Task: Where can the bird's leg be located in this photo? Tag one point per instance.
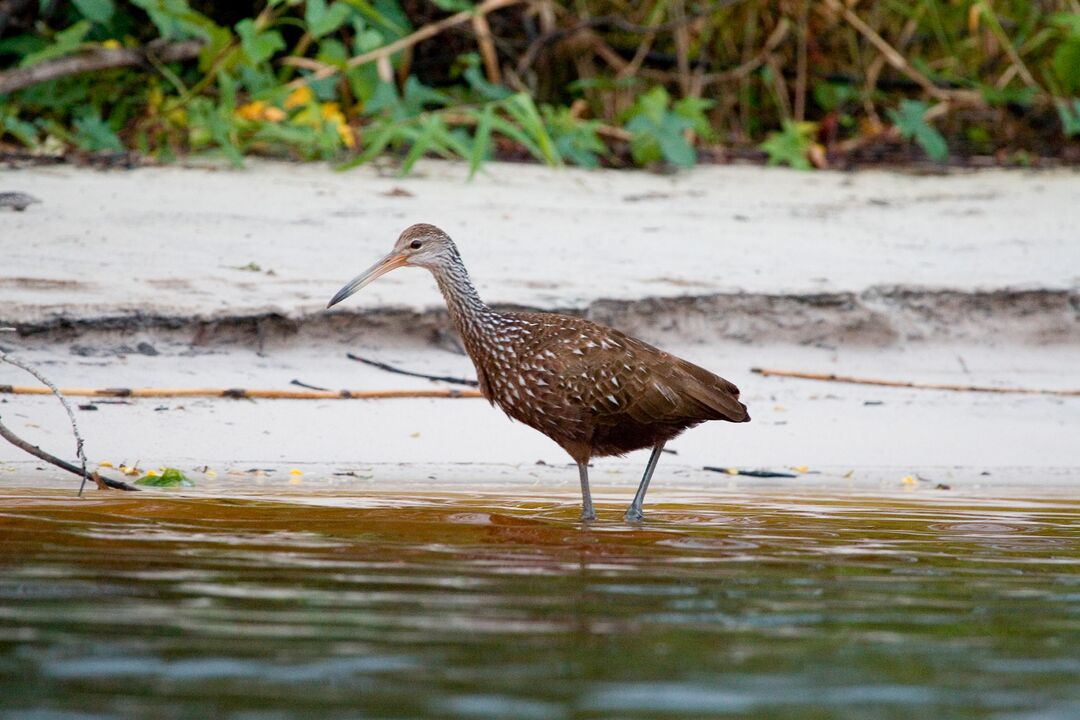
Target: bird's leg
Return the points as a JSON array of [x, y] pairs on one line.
[[587, 512], [633, 513]]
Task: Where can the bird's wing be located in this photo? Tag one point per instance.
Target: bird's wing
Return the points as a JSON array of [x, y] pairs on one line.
[[620, 377]]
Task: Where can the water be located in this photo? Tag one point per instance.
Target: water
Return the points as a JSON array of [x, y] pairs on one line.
[[400, 606]]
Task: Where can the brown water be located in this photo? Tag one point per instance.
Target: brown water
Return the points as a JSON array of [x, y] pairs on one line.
[[409, 606]]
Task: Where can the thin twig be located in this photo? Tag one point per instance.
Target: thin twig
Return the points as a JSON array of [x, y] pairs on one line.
[[410, 373], [97, 59], [892, 56], [322, 70], [79, 453], [801, 61], [242, 393], [777, 36], [306, 386], [487, 48], [749, 473], [832, 377]]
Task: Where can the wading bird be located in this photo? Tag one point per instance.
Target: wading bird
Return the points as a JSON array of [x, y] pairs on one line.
[[592, 389]]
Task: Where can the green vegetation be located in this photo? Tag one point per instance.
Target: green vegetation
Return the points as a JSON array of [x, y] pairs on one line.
[[169, 477], [595, 82]]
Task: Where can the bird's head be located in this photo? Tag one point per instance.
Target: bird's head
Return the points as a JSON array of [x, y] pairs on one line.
[[420, 245]]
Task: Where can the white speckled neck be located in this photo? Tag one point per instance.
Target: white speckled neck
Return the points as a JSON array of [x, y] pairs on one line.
[[478, 324]]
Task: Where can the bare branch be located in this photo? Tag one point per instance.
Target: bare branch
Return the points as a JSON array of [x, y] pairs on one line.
[[832, 377], [102, 482], [98, 59], [4, 357], [322, 70], [242, 393]]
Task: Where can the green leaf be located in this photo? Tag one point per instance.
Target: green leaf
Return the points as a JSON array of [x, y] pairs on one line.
[[831, 96], [522, 108], [910, 122], [258, 45], [64, 43], [1070, 22], [420, 145], [692, 110], [674, 146], [94, 134], [658, 133], [481, 147], [376, 142], [21, 130], [1070, 117], [387, 14], [100, 11], [322, 20], [791, 145], [175, 19], [1001, 97], [453, 6], [218, 39], [211, 124], [508, 129], [576, 140], [170, 477], [479, 83], [1066, 64], [419, 97], [22, 45]]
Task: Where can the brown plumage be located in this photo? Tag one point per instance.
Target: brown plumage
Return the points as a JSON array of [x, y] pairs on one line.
[[592, 389]]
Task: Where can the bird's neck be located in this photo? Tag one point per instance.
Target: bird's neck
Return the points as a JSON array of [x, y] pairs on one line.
[[475, 322]]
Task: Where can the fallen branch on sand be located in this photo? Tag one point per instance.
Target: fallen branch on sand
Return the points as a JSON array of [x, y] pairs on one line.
[[410, 373], [37, 452], [750, 473], [243, 393], [102, 482], [832, 377]]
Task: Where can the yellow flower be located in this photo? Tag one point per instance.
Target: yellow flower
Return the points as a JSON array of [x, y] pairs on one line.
[[909, 480], [298, 97], [251, 111], [105, 463], [347, 135], [332, 111], [111, 44], [259, 110], [296, 471]]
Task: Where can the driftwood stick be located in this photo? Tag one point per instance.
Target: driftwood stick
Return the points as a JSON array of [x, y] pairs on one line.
[[322, 70], [410, 373], [101, 482], [241, 393], [832, 377], [97, 59]]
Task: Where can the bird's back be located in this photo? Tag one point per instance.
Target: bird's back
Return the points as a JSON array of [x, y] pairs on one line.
[[587, 385]]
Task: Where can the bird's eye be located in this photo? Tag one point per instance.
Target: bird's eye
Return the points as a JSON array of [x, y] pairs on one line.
[[415, 244]]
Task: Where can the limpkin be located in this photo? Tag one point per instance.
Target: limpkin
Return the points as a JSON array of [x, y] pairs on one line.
[[592, 389]]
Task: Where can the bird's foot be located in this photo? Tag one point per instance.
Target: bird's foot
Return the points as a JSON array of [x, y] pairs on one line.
[[588, 514], [633, 515]]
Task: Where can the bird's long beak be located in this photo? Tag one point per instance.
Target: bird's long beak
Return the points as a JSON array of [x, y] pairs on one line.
[[388, 263]]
